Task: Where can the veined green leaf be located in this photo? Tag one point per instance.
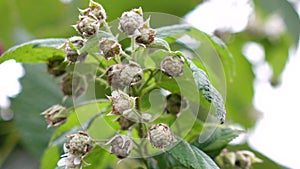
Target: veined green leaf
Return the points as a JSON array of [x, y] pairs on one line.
[[209, 91], [190, 156], [36, 51], [215, 138]]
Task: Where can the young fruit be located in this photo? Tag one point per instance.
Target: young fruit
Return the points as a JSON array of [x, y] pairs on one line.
[[161, 136]]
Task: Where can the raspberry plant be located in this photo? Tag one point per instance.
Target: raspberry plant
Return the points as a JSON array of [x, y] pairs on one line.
[[138, 99]]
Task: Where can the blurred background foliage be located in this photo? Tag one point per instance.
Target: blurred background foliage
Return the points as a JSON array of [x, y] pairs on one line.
[[26, 136]]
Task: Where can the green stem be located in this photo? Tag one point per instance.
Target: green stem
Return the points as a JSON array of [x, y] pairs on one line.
[[132, 44], [96, 58], [128, 57], [101, 81], [107, 27], [152, 74], [148, 89]]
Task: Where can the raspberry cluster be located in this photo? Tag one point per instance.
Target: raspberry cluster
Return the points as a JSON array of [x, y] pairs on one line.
[[121, 71]]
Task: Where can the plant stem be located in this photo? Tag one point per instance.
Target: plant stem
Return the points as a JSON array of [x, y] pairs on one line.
[[128, 57], [102, 81], [132, 44], [107, 27]]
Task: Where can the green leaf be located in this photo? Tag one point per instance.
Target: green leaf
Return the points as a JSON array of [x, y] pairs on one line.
[[81, 117], [99, 158], [210, 50], [210, 92], [160, 43], [286, 10], [215, 137], [50, 158], [91, 46], [39, 92], [166, 31], [240, 92], [190, 156], [36, 51], [277, 54]]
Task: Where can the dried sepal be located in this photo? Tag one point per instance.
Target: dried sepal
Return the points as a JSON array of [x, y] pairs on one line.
[[56, 115]]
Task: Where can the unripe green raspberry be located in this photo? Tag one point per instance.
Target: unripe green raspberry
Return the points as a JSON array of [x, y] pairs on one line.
[[72, 45], [55, 115], [95, 11], [109, 48], [175, 103], [73, 85], [121, 146], [56, 65], [172, 66], [87, 26], [121, 102], [131, 74], [131, 21], [124, 123], [79, 145], [161, 136], [113, 76]]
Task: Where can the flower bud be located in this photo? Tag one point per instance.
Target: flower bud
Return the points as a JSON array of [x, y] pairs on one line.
[[172, 66], [79, 145], [161, 136], [71, 48], [131, 21], [175, 103], [56, 65], [131, 74], [95, 11], [121, 102], [73, 85], [113, 76], [55, 115], [87, 26], [121, 146], [109, 48]]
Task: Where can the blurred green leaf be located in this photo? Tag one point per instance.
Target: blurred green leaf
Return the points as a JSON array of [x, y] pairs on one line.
[[286, 10], [36, 51], [39, 92], [190, 156], [215, 137], [277, 54], [240, 91]]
